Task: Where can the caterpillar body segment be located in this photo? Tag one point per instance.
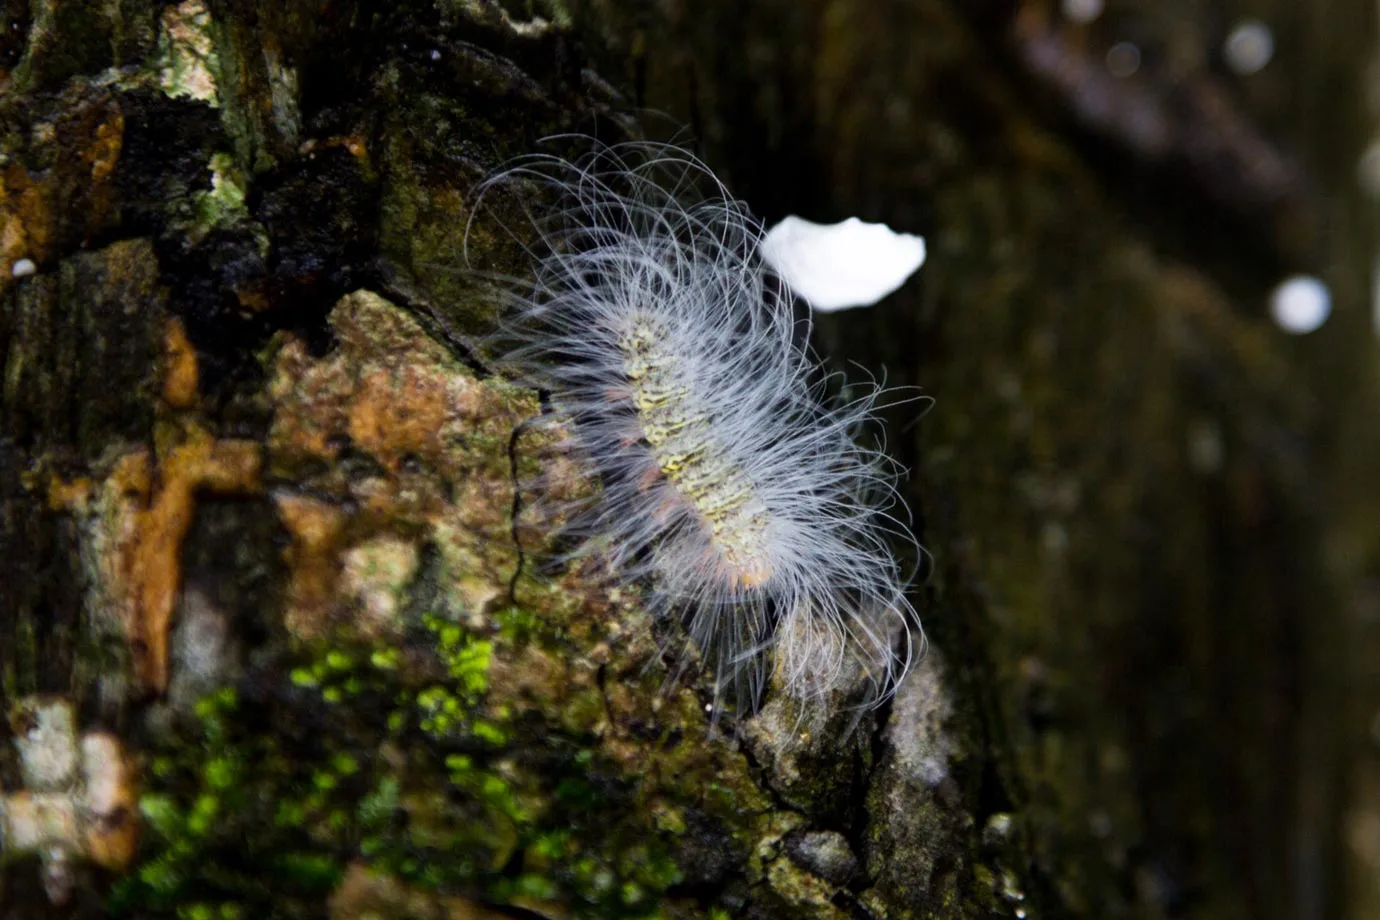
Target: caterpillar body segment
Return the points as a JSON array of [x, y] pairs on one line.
[[732, 487]]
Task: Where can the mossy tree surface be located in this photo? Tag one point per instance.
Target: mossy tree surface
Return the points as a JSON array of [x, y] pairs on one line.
[[259, 496]]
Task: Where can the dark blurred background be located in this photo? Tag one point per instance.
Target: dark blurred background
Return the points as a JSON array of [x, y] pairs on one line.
[[1149, 480], [1149, 323]]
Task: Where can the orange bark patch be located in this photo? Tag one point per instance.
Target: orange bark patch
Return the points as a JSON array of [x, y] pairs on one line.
[[71, 199], [111, 833], [397, 443], [69, 496], [150, 548], [26, 218], [180, 370], [317, 530], [397, 412], [101, 158]]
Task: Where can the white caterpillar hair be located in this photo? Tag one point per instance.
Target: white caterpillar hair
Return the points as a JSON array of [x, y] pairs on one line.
[[732, 487]]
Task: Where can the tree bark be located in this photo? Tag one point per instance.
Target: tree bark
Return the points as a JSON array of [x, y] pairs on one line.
[[275, 638]]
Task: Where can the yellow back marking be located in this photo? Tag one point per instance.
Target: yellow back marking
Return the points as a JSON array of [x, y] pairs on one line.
[[692, 459]]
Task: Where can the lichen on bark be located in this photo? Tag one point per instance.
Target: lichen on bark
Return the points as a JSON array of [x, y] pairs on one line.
[[258, 491]]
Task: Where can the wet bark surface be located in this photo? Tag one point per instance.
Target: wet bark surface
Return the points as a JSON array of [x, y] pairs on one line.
[[275, 633]]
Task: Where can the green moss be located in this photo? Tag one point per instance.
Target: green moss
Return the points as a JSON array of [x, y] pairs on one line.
[[209, 802], [204, 911], [515, 624], [309, 793], [490, 733], [223, 205], [339, 661], [379, 805], [385, 659]]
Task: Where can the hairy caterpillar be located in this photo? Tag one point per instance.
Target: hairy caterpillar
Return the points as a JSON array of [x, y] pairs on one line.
[[731, 486]]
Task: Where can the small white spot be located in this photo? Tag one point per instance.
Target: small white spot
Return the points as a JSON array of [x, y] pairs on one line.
[[1000, 824], [1123, 59], [1081, 11], [1249, 47], [48, 745], [837, 266], [1368, 170], [435, 55], [1301, 304], [22, 268]]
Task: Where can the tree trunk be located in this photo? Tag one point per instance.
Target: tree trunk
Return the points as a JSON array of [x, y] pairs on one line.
[[275, 636]]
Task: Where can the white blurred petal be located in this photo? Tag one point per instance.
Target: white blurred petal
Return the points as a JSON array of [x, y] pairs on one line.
[[837, 266], [1301, 304]]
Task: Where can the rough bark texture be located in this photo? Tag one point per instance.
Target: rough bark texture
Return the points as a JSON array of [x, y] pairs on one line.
[[272, 642]]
